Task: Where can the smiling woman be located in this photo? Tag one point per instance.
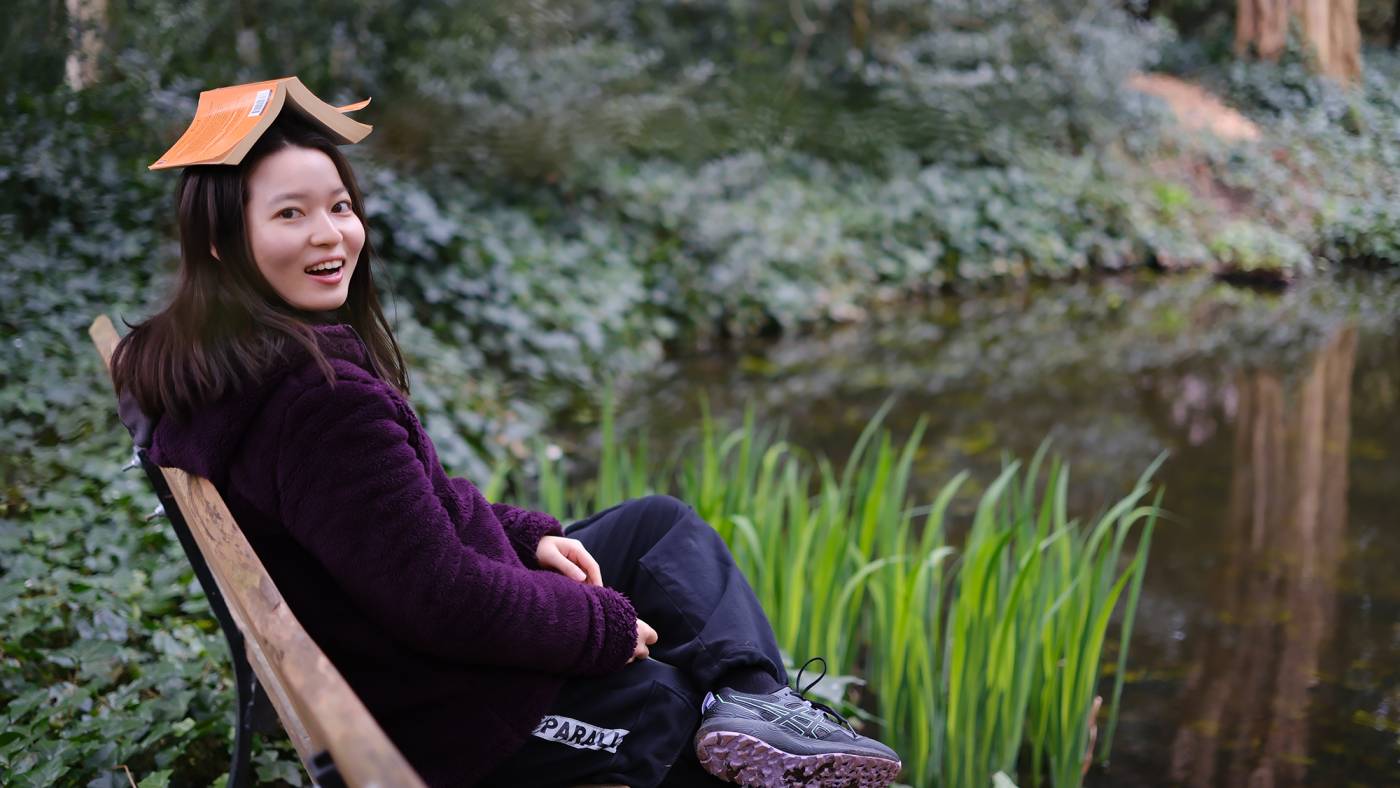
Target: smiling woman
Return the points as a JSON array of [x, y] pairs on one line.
[[304, 232], [269, 247], [487, 644]]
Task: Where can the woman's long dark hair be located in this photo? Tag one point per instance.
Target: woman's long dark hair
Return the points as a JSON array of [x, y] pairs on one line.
[[225, 326]]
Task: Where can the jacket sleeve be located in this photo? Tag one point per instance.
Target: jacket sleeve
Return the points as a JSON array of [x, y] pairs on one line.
[[354, 492], [524, 528]]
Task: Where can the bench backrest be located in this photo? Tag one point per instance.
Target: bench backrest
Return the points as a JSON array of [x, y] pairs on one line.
[[318, 709]]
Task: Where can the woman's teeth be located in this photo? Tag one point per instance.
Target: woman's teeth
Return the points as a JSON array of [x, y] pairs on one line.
[[325, 268]]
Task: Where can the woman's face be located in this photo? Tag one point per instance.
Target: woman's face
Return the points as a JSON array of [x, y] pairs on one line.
[[304, 235]]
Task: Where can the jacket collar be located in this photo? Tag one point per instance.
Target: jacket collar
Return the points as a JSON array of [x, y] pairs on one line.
[[338, 340], [205, 442]]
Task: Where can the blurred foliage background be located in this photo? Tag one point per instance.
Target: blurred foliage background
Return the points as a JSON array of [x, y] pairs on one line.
[[563, 190]]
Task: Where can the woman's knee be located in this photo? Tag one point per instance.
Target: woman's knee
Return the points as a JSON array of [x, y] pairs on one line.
[[665, 513], [667, 504]]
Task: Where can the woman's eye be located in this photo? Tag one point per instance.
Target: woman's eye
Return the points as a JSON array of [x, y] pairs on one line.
[[285, 213], [346, 203]]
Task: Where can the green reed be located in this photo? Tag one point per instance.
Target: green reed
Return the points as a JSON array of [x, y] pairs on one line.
[[983, 654]]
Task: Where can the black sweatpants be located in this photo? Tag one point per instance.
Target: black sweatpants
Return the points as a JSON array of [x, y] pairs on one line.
[[636, 726]]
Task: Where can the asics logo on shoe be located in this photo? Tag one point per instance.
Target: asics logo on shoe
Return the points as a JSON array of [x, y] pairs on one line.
[[800, 720]]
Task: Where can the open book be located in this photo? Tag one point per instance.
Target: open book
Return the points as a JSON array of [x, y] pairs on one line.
[[229, 120]]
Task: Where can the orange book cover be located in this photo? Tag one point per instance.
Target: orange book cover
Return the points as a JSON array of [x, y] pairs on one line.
[[229, 120]]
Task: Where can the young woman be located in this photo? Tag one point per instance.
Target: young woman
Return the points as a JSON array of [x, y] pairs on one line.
[[491, 647]]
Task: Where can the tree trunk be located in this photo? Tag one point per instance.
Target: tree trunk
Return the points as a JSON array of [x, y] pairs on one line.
[[860, 24], [1275, 590], [87, 24], [1395, 26], [1330, 28]]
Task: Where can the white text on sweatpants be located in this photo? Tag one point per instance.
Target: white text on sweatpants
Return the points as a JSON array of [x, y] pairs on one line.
[[579, 735]]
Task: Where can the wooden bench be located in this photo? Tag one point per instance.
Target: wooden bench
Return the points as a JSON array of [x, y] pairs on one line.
[[275, 662]]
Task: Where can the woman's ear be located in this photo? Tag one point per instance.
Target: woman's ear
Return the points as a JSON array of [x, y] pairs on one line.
[[214, 252]]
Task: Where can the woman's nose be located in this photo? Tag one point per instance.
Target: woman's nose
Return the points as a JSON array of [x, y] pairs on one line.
[[325, 232]]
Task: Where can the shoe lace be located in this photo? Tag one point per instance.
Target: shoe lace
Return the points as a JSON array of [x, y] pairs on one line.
[[802, 693]]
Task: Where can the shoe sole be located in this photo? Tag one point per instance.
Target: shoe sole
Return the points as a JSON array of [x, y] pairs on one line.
[[743, 759]]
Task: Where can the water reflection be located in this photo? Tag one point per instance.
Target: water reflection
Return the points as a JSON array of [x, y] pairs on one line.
[[1244, 703], [1250, 664]]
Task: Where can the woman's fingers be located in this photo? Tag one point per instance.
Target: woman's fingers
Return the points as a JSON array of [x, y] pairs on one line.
[[559, 554], [593, 575], [551, 554], [589, 572], [570, 558], [645, 637]]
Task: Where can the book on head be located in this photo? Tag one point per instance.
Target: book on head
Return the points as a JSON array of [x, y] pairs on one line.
[[229, 120]]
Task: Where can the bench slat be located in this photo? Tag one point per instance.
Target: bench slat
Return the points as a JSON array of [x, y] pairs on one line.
[[316, 706]]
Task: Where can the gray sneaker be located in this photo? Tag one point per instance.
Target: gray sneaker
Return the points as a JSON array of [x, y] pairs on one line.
[[781, 738]]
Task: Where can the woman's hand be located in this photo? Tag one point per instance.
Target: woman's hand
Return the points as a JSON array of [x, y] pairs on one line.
[[569, 558], [645, 637]]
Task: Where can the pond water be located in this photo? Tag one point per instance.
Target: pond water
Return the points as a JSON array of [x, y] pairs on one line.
[[1268, 645]]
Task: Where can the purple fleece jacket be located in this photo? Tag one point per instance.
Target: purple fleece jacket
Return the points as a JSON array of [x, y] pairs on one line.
[[427, 598]]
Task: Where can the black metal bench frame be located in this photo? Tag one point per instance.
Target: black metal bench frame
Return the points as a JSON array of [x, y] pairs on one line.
[[255, 711]]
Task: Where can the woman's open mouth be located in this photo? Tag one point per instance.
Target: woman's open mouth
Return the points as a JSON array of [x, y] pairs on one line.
[[327, 272]]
